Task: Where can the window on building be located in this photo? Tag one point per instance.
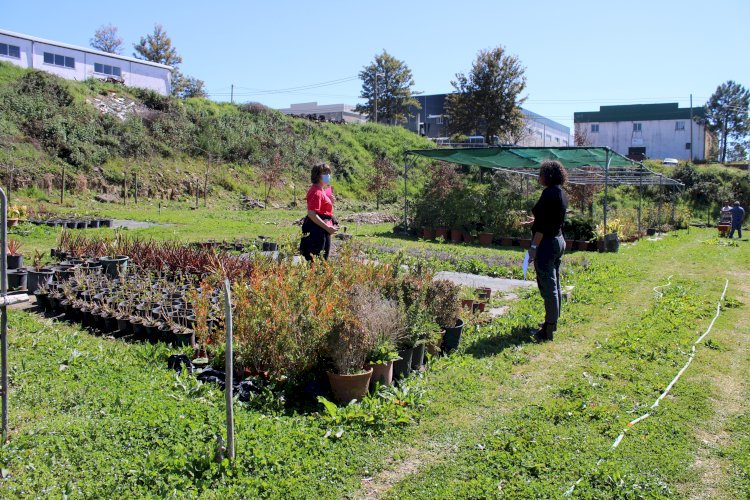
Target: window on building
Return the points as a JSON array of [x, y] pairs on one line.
[[8, 50], [637, 127], [539, 134], [106, 69], [679, 125], [687, 145], [549, 138], [557, 140], [439, 120], [594, 128], [59, 60]]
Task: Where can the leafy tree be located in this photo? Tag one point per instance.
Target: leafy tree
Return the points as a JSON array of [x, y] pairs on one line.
[[184, 86], [106, 39], [381, 179], [271, 174], [727, 114], [392, 92], [157, 48], [488, 98]]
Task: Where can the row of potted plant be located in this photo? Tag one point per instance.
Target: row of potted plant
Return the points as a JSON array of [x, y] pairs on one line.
[[138, 305], [288, 319]]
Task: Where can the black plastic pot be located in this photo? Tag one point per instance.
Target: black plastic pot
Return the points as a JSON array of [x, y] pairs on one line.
[[105, 222], [269, 246], [93, 224], [452, 337], [81, 224], [14, 261], [115, 266], [17, 279], [42, 301], [109, 324], [152, 333], [38, 278], [183, 338], [139, 331], [124, 326], [63, 273], [417, 357], [402, 367]]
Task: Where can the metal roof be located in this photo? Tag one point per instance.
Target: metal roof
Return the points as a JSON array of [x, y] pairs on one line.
[[638, 112]]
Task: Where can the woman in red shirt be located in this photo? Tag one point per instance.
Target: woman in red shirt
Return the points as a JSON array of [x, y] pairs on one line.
[[318, 225]]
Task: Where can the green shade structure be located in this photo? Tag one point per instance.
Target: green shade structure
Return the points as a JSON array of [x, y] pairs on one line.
[[586, 165]]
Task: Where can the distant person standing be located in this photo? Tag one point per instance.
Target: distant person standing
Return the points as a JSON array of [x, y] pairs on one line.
[[548, 244], [738, 217], [318, 226]]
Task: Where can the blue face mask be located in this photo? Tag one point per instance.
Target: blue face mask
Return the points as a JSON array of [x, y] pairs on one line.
[[326, 178]]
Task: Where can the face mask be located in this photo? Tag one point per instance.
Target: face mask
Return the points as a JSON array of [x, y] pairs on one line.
[[326, 178]]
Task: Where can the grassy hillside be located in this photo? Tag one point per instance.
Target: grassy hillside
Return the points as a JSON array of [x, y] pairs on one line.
[[48, 122]]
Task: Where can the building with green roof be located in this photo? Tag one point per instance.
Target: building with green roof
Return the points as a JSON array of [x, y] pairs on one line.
[[642, 131]]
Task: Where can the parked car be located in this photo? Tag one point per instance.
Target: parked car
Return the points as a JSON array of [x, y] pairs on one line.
[[669, 161]]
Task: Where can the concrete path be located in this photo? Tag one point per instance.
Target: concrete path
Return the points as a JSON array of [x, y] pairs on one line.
[[473, 280]]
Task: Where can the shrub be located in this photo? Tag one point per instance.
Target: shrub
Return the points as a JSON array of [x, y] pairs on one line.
[[442, 300]]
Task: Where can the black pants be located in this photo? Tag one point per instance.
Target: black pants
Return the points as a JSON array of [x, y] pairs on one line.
[[547, 265], [315, 240]]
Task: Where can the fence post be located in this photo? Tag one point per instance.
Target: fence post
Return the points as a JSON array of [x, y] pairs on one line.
[[4, 308], [229, 369]]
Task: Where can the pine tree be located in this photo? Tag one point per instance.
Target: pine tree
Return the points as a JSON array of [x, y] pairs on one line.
[[727, 114], [387, 82], [157, 48]]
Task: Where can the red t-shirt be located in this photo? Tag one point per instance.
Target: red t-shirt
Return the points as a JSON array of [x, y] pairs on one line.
[[318, 200]]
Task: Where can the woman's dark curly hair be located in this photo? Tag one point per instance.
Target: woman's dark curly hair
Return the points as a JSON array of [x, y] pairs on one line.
[[317, 172], [553, 173]]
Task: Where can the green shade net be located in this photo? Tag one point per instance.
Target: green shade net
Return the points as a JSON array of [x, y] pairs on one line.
[[585, 165], [521, 157]]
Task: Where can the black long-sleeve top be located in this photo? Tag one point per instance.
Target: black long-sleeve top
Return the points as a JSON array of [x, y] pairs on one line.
[[549, 212]]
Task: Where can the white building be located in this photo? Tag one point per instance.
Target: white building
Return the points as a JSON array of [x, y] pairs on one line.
[[543, 132], [642, 131], [80, 63], [331, 112]]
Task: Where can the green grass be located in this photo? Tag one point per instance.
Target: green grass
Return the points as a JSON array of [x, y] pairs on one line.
[[93, 417]]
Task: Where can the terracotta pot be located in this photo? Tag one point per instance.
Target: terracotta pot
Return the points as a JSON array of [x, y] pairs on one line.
[[525, 242], [348, 387], [484, 293], [599, 245], [457, 235], [568, 244], [506, 242], [467, 237], [582, 245], [12, 222], [441, 232], [381, 373], [479, 307], [485, 239], [467, 303], [428, 234]]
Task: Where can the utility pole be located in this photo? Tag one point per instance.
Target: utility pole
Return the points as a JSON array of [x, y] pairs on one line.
[[691, 128], [135, 187], [231, 95]]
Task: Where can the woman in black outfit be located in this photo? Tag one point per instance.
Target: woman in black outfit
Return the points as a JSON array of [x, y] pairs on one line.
[[548, 244]]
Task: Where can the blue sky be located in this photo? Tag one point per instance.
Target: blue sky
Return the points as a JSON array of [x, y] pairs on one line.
[[578, 54]]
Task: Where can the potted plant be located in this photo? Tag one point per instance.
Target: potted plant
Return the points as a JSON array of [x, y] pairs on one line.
[[380, 361], [384, 319], [14, 258], [467, 296], [348, 346], [442, 301], [425, 331], [37, 274]]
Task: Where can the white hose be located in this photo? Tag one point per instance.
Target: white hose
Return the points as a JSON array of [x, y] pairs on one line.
[[671, 384], [656, 288]]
